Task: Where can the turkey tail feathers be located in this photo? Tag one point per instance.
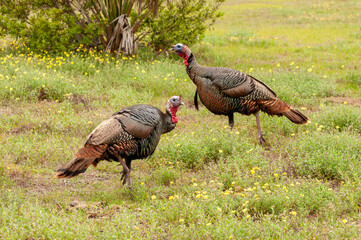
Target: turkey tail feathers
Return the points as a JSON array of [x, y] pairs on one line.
[[81, 161], [196, 100], [295, 116], [74, 167], [281, 108]]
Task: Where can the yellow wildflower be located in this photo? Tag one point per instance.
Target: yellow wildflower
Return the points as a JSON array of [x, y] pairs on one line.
[[294, 213]]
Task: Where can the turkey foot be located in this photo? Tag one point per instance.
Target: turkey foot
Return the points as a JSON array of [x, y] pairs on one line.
[[125, 174], [126, 177], [261, 139], [230, 123], [126, 171], [260, 135]]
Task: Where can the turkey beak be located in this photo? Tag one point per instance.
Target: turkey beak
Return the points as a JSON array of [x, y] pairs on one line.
[[180, 100], [172, 48]]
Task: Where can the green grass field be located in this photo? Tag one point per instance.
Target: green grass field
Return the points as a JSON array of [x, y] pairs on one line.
[[202, 182]]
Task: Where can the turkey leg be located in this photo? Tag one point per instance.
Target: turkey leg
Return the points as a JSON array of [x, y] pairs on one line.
[[126, 170], [261, 139], [230, 121], [124, 174]]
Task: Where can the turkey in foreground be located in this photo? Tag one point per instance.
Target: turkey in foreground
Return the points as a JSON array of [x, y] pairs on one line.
[[225, 91], [131, 133]]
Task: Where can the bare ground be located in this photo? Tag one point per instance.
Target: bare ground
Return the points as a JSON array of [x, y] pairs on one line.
[[345, 100]]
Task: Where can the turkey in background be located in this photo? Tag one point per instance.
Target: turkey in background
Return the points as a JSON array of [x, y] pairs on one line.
[[225, 91], [131, 133]]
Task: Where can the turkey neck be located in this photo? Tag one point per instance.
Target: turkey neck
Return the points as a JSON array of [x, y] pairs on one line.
[[170, 118], [192, 67], [209, 95]]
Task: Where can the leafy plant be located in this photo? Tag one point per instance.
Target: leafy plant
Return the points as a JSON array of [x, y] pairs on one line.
[[113, 25], [180, 21], [50, 25]]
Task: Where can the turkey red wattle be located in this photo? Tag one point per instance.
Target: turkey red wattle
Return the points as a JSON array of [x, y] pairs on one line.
[[173, 112], [184, 56]]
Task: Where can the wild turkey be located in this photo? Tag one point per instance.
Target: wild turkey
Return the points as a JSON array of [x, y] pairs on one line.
[[131, 133], [225, 91]]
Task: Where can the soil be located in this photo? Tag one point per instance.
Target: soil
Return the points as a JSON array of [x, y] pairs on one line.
[[342, 100]]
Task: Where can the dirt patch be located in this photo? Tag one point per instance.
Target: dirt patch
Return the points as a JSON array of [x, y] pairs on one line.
[[78, 205], [290, 170], [356, 223], [95, 210], [33, 185], [8, 110], [44, 183], [42, 95], [344, 100], [312, 215], [288, 166], [20, 178], [270, 155], [76, 99], [334, 184], [42, 127], [21, 129], [190, 104]]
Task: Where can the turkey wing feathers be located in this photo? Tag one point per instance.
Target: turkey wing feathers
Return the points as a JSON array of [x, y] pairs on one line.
[[105, 132], [231, 82], [241, 90], [136, 128], [264, 88], [133, 122], [235, 84]]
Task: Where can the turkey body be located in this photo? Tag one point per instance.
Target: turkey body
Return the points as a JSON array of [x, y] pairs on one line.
[[131, 133], [224, 91], [218, 102]]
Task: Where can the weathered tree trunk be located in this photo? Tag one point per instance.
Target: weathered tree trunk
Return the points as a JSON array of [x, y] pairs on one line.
[[122, 38]]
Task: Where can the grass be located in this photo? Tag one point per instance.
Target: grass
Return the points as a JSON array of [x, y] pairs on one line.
[[202, 181]]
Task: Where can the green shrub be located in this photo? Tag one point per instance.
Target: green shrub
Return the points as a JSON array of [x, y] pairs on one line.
[[193, 152], [181, 21], [46, 25], [326, 156], [353, 78], [164, 176], [341, 118]]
